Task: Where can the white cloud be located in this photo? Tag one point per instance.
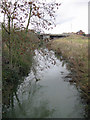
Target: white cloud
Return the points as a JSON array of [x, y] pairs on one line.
[[72, 16]]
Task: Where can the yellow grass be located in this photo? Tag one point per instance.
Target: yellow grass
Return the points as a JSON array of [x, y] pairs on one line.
[[74, 49]]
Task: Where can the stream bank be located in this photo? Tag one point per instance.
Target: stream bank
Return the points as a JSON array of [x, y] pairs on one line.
[[74, 50], [22, 50], [45, 93]]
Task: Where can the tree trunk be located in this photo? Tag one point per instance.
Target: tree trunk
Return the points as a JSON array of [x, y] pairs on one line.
[[10, 52], [29, 18], [12, 23], [4, 19]]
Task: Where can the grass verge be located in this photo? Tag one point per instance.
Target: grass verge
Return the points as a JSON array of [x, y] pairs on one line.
[[74, 49]]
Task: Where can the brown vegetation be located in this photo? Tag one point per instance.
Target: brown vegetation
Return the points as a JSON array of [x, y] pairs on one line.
[[74, 49]]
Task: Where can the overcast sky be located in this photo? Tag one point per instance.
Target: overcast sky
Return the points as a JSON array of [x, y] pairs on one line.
[[72, 16]]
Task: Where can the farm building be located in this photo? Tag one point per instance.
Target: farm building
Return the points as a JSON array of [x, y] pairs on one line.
[[80, 32]]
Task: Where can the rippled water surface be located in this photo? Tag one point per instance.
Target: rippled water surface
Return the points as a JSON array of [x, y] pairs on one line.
[[45, 93]]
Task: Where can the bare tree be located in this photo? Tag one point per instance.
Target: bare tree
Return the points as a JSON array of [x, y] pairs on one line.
[[9, 10], [40, 14]]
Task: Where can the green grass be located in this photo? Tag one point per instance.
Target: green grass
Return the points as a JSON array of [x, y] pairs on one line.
[[75, 50]]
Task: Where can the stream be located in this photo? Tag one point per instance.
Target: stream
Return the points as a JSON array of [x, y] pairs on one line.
[[46, 92]]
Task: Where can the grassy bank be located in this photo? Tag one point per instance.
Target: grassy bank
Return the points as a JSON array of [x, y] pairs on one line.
[[74, 49], [22, 50]]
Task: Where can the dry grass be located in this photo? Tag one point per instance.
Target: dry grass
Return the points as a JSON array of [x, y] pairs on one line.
[[74, 49]]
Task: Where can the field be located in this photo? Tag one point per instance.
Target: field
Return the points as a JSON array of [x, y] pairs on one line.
[[74, 49]]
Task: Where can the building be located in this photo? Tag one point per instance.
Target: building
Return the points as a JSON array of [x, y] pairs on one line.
[[80, 32]]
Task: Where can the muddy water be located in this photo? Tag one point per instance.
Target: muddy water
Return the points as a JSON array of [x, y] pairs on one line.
[[45, 92]]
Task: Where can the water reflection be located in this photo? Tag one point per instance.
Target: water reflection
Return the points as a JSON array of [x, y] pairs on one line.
[[44, 93]]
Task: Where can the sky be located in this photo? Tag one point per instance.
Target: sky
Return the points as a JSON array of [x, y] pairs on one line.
[[72, 16]]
